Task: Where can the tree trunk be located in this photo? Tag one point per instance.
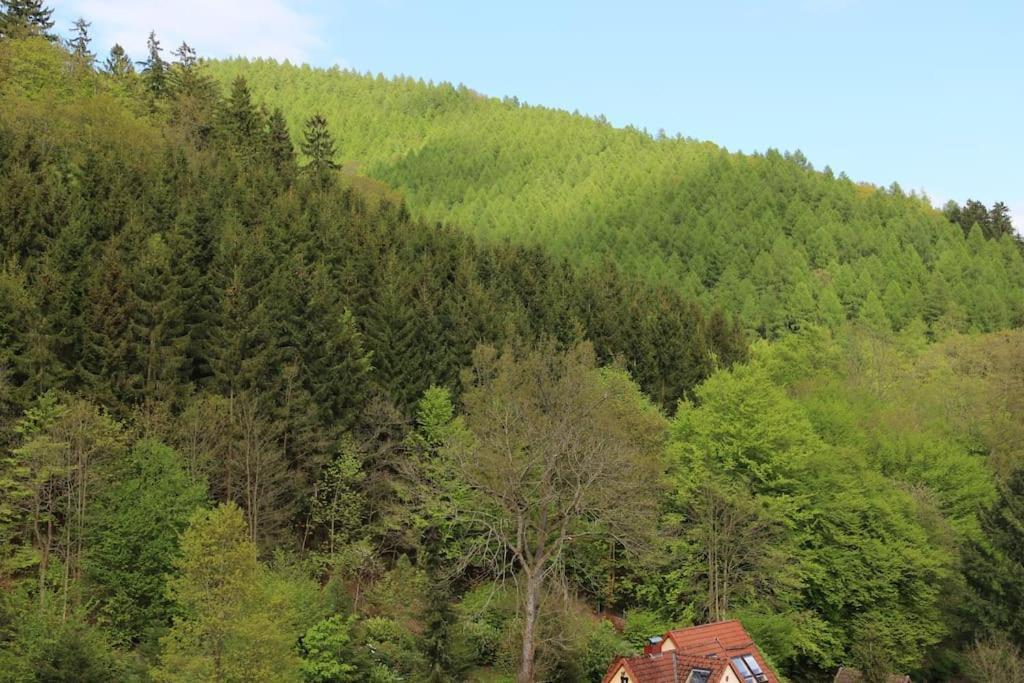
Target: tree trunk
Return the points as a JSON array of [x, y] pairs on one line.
[[526, 661]]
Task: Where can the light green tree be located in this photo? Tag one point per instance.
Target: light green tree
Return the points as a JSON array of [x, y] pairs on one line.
[[233, 624]]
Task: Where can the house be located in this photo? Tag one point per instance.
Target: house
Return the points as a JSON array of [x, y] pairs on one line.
[[722, 652], [848, 675]]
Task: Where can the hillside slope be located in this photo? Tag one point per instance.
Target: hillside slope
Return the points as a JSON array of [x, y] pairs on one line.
[[247, 371], [765, 236]]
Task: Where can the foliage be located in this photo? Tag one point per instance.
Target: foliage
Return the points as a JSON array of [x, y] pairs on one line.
[[995, 660], [994, 563], [234, 623], [329, 654], [47, 646], [766, 236], [169, 274], [133, 540], [552, 435]]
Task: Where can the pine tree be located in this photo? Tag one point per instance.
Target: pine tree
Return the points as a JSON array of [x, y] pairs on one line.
[[241, 120], [339, 367], [282, 152], [79, 43], [183, 71], [186, 57], [318, 145], [994, 564], [118, 64], [873, 315], [999, 220], [154, 69], [974, 213], [106, 365], [443, 665], [159, 338], [19, 18]]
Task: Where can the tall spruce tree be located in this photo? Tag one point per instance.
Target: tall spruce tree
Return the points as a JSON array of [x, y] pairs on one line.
[[282, 152], [999, 220], [21, 18], [183, 70], [442, 662], [80, 40], [994, 564], [154, 69], [318, 145], [118, 63], [242, 122]]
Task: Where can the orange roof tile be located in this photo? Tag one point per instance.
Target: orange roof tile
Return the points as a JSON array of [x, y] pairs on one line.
[[723, 639], [664, 667]]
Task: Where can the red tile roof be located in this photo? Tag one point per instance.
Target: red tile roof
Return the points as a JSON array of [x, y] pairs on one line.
[[711, 646], [663, 667], [718, 638], [723, 639]]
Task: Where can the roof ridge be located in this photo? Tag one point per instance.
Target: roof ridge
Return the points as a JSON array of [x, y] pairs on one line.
[[710, 623]]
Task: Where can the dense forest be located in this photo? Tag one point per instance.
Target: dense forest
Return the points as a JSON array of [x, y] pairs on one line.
[[313, 376], [764, 236]]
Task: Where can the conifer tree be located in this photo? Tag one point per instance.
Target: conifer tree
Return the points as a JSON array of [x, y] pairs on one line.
[[183, 70], [106, 365], [282, 152], [242, 121], [80, 40], [154, 69], [339, 366], [20, 18], [443, 665], [186, 57], [318, 145], [872, 314], [159, 338], [994, 564], [999, 220], [118, 63]]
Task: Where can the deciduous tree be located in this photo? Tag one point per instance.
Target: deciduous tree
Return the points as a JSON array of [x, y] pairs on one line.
[[561, 451]]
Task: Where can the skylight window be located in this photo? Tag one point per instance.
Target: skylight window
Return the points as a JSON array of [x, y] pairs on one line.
[[748, 669], [755, 668], [699, 676]]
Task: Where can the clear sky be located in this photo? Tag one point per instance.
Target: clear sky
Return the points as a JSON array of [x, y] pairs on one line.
[[929, 94]]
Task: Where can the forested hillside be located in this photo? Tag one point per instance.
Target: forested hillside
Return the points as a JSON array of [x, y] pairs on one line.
[[262, 418], [765, 236]]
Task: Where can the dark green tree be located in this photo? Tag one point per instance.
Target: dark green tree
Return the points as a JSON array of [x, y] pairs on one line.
[[242, 122], [183, 70], [999, 220], [994, 564], [444, 663], [19, 18], [318, 145], [79, 42], [154, 69], [186, 57], [118, 63], [282, 152]]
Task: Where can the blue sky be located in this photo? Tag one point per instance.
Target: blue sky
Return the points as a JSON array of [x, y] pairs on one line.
[[929, 94]]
